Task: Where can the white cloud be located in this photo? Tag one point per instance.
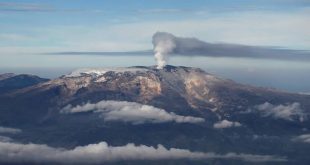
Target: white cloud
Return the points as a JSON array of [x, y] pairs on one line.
[[226, 124], [302, 138], [286, 112], [131, 112], [102, 152], [9, 130]]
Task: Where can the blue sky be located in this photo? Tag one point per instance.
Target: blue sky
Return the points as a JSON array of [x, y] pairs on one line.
[[34, 26]]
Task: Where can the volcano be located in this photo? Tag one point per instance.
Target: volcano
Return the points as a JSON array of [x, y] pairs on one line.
[[179, 107]]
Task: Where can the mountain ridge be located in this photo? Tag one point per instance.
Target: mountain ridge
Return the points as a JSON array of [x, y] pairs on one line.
[[193, 87]]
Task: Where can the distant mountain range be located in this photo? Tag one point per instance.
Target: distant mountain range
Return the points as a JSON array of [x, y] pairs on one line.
[[177, 107]]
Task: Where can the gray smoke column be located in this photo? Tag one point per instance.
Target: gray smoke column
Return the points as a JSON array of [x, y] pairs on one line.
[[164, 44]]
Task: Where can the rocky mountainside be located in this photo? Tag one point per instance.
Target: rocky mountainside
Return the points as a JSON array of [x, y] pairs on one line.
[[187, 87], [178, 107], [10, 81]]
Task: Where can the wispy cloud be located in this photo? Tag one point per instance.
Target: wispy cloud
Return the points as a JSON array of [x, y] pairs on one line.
[[288, 112], [131, 112], [302, 138], [40, 7], [25, 7], [226, 124], [14, 37], [9, 130], [102, 152]]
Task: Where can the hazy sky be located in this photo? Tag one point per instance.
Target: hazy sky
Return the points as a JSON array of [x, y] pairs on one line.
[[31, 27], [77, 25]]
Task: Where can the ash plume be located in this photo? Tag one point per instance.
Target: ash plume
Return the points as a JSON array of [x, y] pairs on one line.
[[166, 43]]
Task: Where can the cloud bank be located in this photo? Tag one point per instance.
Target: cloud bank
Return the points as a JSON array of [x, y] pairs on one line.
[[9, 130], [166, 43], [226, 124], [130, 112], [102, 152], [288, 112]]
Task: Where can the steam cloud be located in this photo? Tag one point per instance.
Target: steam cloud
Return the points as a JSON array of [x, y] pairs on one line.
[[102, 152], [131, 112], [166, 43]]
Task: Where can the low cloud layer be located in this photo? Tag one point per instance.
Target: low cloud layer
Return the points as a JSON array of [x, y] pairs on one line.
[[302, 138], [226, 124], [102, 152], [166, 43], [131, 112], [9, 130], [289, 112]]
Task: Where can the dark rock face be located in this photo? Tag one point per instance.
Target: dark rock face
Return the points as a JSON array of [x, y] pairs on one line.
[[35, 107]]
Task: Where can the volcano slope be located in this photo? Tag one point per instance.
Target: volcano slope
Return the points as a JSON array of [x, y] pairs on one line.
[[177, 107]]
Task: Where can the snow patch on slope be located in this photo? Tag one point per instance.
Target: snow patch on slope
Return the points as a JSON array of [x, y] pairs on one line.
[[96, 72]]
